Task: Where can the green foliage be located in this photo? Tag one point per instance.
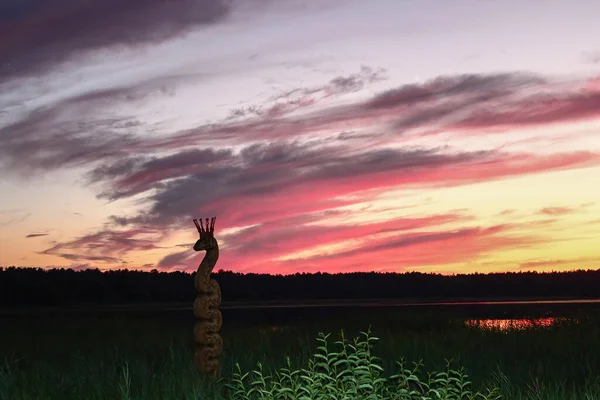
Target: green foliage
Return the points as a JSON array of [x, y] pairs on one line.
[[352, 373]]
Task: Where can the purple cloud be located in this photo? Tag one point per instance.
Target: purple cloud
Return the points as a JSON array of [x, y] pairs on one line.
[[37, 35]]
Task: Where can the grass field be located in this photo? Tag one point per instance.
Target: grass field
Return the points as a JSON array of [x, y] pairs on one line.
[[132, 356]]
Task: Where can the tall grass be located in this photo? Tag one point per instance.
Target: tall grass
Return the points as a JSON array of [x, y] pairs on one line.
[[150, 358]]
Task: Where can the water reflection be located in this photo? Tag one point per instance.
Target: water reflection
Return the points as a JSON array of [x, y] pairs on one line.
[[514, 324], [395, 303]]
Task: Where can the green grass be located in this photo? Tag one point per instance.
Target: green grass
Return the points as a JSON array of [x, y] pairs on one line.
[[151, 358], [352, 371]]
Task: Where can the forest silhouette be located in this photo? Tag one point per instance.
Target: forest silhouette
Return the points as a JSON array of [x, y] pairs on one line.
[[21, 286]]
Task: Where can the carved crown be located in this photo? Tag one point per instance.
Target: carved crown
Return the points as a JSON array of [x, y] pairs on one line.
[[208, 231]]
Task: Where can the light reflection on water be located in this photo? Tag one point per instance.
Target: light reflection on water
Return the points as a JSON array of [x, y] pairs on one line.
[[518, 324], [514, 324]]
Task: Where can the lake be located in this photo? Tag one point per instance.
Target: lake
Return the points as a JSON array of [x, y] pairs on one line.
[[281, 314]]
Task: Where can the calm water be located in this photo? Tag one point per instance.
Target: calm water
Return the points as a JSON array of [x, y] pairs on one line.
[[395, 303], [518, 314], [443, 306], [330, 316]]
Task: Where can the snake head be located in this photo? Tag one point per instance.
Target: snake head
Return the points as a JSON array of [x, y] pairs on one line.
[[206, 243]]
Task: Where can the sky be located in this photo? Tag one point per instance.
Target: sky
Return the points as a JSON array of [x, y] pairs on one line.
[[324, 135]]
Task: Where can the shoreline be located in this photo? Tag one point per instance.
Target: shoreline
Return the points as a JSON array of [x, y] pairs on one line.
[[307, 303]]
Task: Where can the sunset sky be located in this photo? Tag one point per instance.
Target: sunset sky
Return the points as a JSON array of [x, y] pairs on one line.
[[325, 135]]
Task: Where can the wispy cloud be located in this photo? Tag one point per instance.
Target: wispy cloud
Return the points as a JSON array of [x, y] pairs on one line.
[[263, 188], [266, 169], [592, 57], [556, 211], [293, 100], [574, 263], [14, 220], [80, 257], [465, 102], [564, 210], [538, 109], [402, 252], [34, 235], [109, 246]]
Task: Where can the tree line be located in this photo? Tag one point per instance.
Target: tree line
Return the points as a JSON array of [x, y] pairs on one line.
[[21, 286]]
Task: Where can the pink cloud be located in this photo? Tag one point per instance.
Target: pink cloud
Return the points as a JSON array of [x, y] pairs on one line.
[[251, 195], [555, 211], [397, 253], [538, 110], [281, 184], [281, 214]]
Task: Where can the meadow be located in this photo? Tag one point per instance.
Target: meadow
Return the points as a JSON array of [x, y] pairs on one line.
[[137, 354]]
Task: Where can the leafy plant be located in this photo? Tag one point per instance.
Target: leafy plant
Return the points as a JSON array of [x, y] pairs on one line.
[[352, 372]]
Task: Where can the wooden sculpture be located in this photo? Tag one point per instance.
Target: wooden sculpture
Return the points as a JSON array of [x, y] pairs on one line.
[[206, 330]]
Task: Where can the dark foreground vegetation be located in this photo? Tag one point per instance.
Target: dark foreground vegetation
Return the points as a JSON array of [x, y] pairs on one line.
[[90, 357], [35, 286], [144, 352]]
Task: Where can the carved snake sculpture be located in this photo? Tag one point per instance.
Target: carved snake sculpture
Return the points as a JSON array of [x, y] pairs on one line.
[[206, 330]]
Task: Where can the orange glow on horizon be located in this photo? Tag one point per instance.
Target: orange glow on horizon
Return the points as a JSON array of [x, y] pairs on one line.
[[519, 324]]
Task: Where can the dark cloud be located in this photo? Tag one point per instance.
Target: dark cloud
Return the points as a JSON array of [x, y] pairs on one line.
[[282, 169], [34, 235], [72, 133], [175, 260], [256, 193], [444, 87], [115, 169], [48, 139], [79, 257], [37, 34], [354, 82], [538, 109], [353, 166], [258, 168], [407, 107], [138, 174], [107, 246]]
